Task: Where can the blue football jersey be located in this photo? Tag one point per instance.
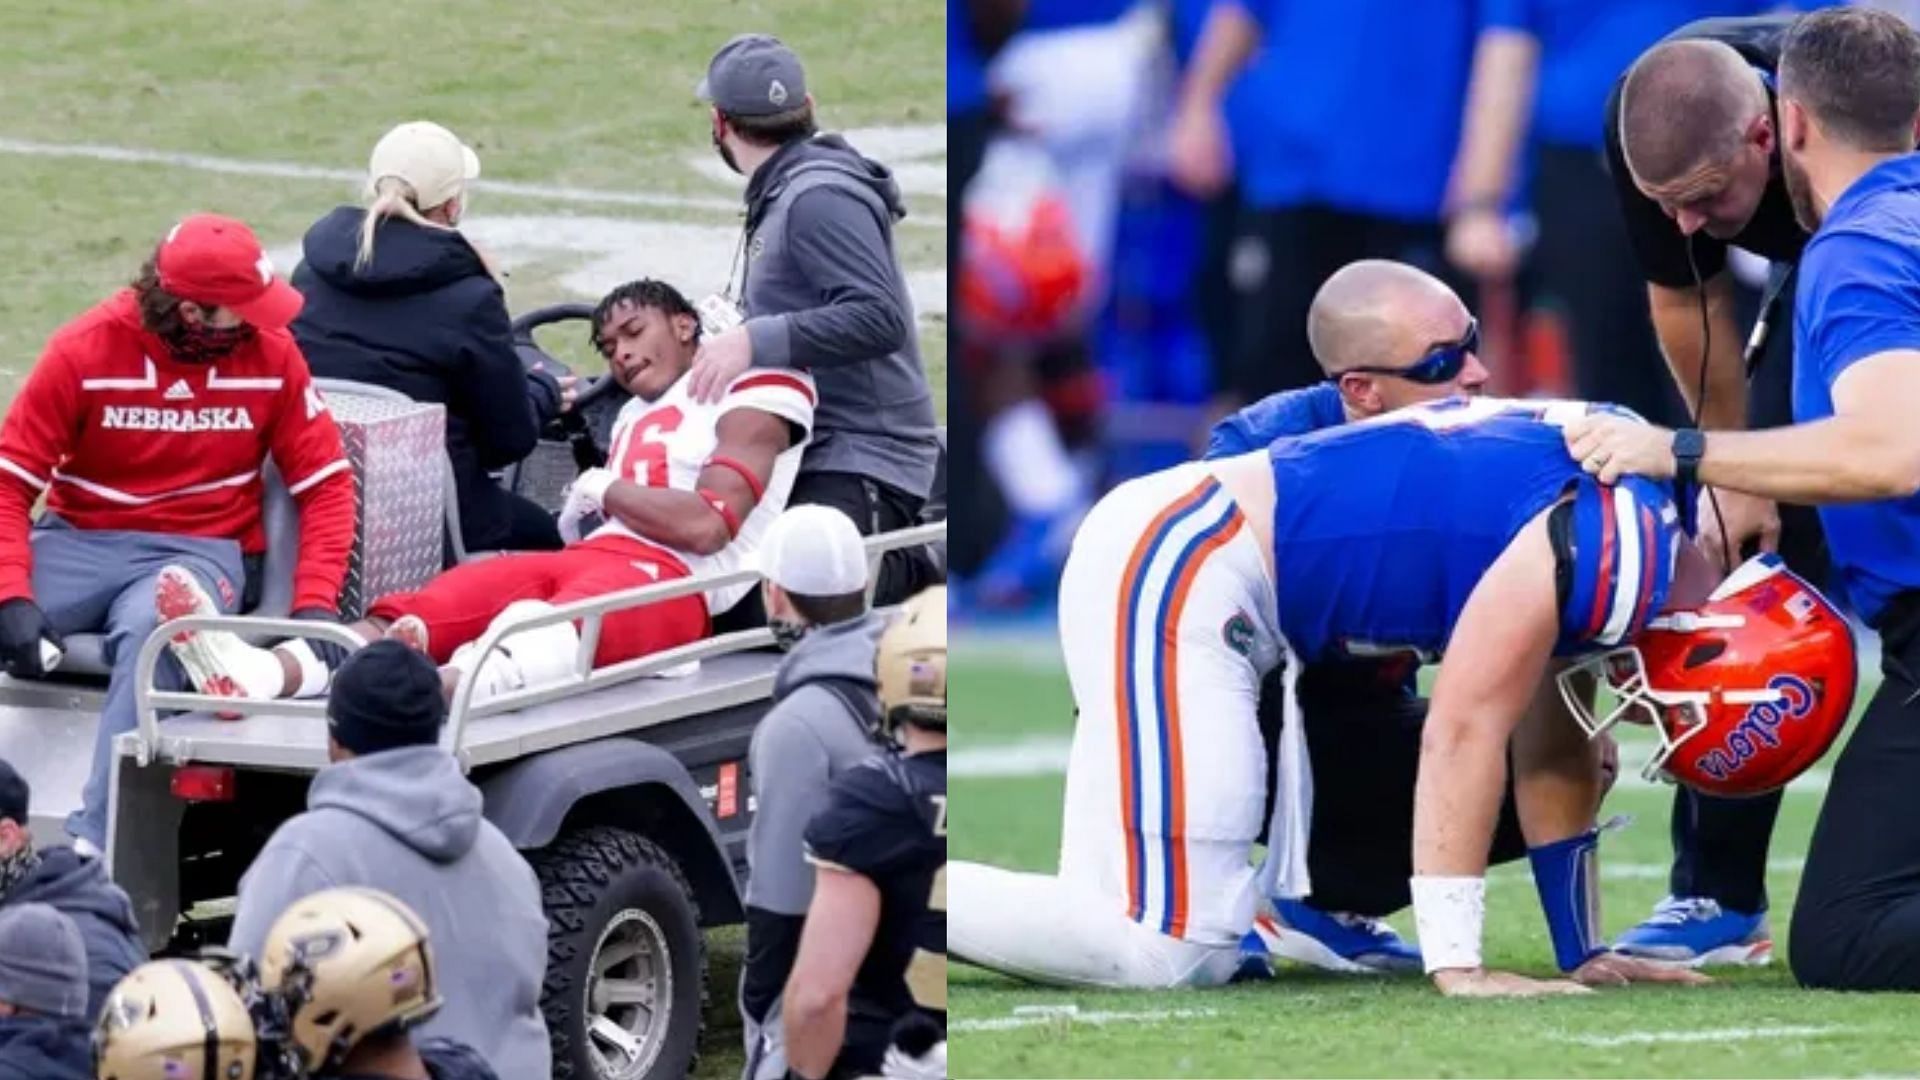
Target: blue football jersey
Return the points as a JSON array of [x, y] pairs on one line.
[[1383, 527]]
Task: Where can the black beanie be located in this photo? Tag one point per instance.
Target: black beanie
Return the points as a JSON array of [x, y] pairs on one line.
[[384, 697], [13, 794]]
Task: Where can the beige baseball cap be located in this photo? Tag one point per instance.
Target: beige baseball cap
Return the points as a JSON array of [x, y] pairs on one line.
[[428, 157], [815, 551]]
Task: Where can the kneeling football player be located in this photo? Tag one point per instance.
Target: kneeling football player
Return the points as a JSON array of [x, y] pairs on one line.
[[1404, 532]]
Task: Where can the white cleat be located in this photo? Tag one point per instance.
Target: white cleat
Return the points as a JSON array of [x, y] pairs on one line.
[[217, 662]]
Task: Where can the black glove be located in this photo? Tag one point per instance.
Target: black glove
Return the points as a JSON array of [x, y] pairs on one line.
[[330, 652], [22, 627]]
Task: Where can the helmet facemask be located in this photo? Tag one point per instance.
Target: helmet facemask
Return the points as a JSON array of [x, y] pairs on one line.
[[1675, 716]]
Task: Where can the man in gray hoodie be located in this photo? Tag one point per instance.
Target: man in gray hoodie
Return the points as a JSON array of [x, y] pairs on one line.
[[824, 292], [75, 886], [394, 812], [825, 711]]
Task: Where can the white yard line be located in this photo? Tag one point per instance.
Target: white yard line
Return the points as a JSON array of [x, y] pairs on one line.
[[1646, 1038], [289, 170], [1047, 756], [1623, 871], [1026, 1016]]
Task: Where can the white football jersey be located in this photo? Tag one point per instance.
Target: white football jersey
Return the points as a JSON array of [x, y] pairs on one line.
[[668, 441]]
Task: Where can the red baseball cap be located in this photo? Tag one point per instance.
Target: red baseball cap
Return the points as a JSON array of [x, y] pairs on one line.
[[217, 261]]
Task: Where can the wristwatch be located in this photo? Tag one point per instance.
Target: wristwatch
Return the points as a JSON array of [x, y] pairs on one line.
[[1689, 445]]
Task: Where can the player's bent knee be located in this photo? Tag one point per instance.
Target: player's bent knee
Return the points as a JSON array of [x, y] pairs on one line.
[[1053, 930]]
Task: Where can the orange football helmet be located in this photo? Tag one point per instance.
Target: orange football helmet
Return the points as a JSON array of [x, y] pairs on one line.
[[1746, 691], [1024, 274]]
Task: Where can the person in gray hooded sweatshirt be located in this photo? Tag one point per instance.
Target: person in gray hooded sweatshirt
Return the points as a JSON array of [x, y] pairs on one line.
[[394, 812], [43, 996], [72, 884], [825, 712], [824, 292]]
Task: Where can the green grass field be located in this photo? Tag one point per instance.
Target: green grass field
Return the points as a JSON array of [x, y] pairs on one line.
[[590, 97], [1751, 1023], [121, 117]]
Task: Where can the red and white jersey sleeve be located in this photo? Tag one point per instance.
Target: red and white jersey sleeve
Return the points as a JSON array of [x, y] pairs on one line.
[[312, 460], [789, 395], [668, 442]]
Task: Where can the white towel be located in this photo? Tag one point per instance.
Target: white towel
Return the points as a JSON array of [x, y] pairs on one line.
[[1284, 872]]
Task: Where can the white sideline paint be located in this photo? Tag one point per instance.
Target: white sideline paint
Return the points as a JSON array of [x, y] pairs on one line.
[[289, 170], [1026, 1016], [1047, 756], [601, 252], [917, 155], [1619, 871], [1644, 1038]]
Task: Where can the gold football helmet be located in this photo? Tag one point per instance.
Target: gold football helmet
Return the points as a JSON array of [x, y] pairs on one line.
[[912, 664], [174, 1020], [348, 962]]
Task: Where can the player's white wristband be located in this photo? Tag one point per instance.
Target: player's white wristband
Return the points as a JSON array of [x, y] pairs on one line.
[[1450, 913]]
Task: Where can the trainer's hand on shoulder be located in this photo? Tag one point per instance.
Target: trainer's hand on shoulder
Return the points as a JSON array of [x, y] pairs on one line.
[[719, 361], [1479, 982], [1610, 447], [1615, 969]]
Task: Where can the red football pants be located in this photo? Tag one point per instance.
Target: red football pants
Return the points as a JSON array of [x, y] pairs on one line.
[[458, 605]]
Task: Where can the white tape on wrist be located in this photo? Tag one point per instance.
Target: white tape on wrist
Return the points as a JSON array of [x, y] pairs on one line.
[[1450, 913], [591, 486]]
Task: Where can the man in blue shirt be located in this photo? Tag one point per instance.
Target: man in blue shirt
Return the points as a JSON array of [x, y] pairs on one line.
[[1849, 95], [1340, 135], [1363, 717]]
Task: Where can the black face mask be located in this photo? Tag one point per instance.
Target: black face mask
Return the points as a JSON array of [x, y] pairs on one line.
[[726, 154], [16, 867], [204, 344], [786, 634]]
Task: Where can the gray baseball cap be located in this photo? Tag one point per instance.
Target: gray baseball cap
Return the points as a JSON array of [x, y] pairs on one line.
[[754, 75]]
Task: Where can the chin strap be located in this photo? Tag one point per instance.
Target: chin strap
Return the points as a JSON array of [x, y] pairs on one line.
[[1567, 875]]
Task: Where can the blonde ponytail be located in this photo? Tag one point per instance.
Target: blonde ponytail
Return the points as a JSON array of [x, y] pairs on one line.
[[391, 196]]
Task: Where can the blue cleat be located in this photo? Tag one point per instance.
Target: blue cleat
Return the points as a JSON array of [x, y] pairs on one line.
[[1021, 568], [1695, 932], [1255, 964], [1334, 941]]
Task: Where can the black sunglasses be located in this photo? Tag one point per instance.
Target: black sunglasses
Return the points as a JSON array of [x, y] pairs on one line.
[[1441, 362]]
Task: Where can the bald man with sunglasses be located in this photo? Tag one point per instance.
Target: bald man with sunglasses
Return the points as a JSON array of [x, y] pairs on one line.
[[1387, 335], [1459, 524]]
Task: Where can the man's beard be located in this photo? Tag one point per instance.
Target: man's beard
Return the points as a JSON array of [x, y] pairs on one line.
[[16, 867], [204, 344], [1799, 193], [726, 154]]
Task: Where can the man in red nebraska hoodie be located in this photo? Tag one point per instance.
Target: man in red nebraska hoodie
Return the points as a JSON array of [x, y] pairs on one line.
[[146, 424]]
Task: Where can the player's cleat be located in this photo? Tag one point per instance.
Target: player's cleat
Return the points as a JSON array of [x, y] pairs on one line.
[[1025, 565], [411, 631], [1334, 941], [1255, 964], [218, 663], [1695, 932]]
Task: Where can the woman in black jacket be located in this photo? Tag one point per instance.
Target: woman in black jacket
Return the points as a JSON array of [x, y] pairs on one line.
[[397, 297]]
